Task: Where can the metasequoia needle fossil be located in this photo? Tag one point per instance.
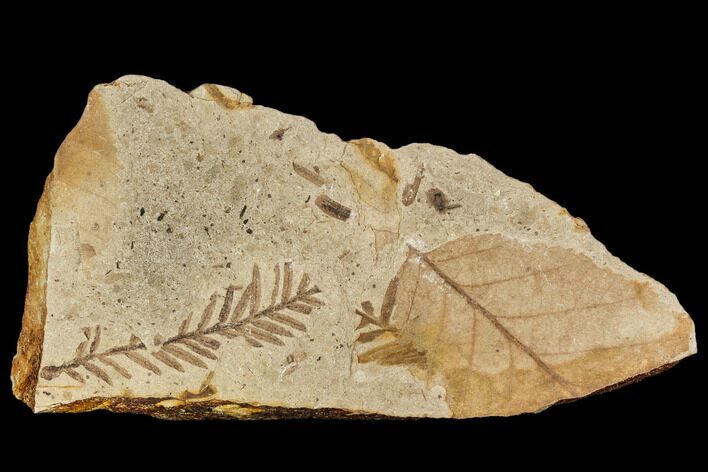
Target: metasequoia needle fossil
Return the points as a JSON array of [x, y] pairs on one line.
[[252, 326], [194, 255]]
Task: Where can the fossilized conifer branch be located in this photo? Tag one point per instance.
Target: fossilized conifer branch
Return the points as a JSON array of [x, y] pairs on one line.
[[248, 319]]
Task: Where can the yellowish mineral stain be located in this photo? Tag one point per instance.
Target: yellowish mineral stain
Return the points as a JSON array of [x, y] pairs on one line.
[[222, 99], [580, 225], [170, 403], [25, 364], [378, 190], [236, 411], [86, 161], [380, 159]]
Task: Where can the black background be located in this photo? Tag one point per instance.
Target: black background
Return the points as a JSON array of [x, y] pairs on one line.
[[603, 118]]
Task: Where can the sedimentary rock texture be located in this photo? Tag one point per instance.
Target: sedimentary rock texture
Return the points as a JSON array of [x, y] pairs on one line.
[[196, 255]]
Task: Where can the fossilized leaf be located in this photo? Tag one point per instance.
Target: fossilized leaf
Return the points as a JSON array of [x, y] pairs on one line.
[[508, 327], [142, 362], [194, 346]]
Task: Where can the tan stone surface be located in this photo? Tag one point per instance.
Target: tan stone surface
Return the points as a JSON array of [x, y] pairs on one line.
[[196, 255]]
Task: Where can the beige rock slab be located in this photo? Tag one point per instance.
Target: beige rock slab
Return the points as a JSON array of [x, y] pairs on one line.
[[195, 255]]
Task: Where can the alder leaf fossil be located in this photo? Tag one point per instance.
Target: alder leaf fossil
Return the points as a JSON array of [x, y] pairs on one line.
[[452, 290], [196, 343], [444, 314]]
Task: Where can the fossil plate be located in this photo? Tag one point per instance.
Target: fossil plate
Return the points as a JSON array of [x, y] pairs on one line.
[[194, 255]]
